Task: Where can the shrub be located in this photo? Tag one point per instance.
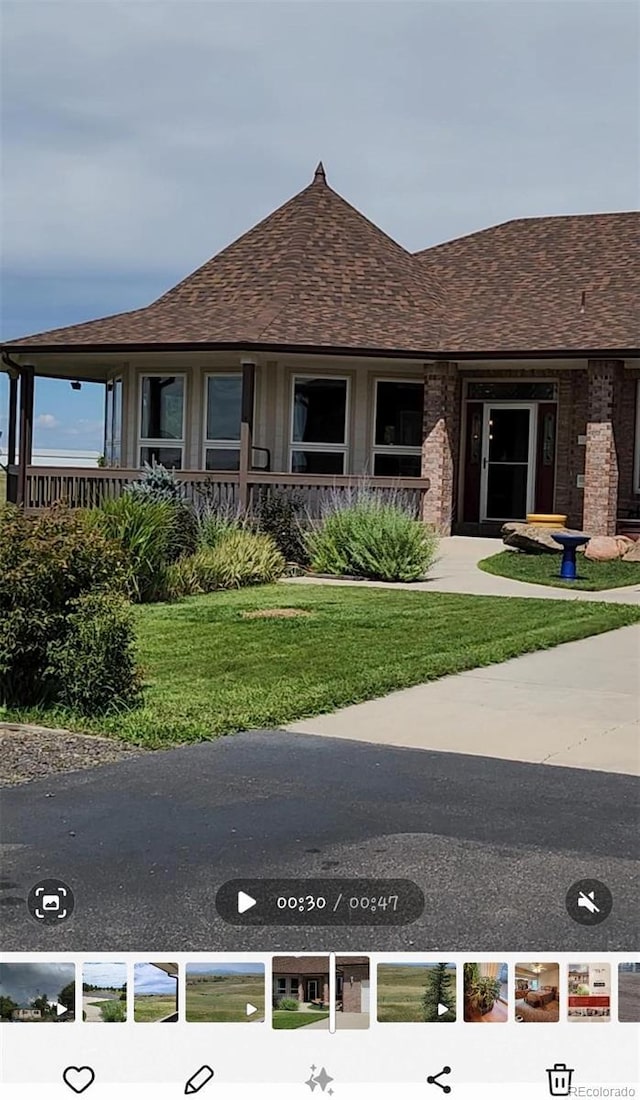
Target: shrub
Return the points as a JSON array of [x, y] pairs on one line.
[[288, 1004], [372, 538], [93, 665], [146, 530], [278, 515], [113, 1012], [215, 526], [240, 558], [159, 485], [181, 578], [47, 562]]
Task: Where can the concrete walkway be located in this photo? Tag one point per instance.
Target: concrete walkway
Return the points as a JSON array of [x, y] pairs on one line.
[[457, 571], [577, 705]]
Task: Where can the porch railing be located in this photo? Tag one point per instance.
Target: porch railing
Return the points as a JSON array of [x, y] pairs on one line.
[[86, 488]]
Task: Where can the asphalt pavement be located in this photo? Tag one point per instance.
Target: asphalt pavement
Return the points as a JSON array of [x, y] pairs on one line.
[[145, 844]]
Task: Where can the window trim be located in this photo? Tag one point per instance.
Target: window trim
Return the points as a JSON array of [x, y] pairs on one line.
[[220, 444], [175, 444], [320, 448], [636, 449], [392, 448]]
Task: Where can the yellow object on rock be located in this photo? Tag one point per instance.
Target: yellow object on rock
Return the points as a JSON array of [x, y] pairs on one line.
[[542, 520]]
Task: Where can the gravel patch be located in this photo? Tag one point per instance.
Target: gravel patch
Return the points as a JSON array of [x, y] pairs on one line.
[[33, 752]]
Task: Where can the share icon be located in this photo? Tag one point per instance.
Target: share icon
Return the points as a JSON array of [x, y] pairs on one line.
[[433, 1080]]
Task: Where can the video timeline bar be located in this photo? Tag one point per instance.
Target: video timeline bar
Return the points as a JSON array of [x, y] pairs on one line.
[[316, 902]]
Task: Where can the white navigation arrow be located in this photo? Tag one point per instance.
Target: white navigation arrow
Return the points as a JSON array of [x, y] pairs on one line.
[[442, 1009], [245, 902], [251, 1010]]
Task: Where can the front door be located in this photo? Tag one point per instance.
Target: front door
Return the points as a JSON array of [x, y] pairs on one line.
[[508, 462], [312, 989]]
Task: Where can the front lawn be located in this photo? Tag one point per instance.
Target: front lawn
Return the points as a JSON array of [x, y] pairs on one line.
[[593, 576], [210, 669], [289, 1021]]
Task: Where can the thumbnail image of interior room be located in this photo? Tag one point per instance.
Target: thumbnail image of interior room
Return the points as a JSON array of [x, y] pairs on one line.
[[589, 993], [629, 992], [225, 993], [486, 992], [537, 992], [37, 993], [104, 993], [155, 993], [300, 992], [353, 992]]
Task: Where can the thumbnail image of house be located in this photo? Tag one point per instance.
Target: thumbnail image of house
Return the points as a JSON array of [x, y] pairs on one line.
[[156, 988], [589, 993], [537, 992], [484, 378], [37, 993], [25, 1014], [300, 991], [353, 992]]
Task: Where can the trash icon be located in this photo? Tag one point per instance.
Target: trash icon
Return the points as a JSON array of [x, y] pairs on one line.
[[560, 1080]]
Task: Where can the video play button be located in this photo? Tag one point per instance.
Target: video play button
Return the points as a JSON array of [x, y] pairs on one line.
[[443, 1009], [245, 902], [251, 1010]]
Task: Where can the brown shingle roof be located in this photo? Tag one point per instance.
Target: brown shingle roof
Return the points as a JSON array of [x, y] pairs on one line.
[[520, 285], [316, 272], [309, 964]]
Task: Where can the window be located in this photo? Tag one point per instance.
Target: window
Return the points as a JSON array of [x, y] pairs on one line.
[[281, 987], [113, 423], [223, 403], [319, 425], [162, 410], [397, 440]]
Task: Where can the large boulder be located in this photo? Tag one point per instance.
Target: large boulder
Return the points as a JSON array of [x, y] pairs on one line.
[[532, 539], [606, 548], [633, 553]]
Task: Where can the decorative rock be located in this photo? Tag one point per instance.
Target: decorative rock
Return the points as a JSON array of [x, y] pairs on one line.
[[533, 539], [604, 548], [633, 553]]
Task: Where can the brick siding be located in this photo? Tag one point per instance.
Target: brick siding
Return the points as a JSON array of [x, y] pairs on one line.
[[441, 443]]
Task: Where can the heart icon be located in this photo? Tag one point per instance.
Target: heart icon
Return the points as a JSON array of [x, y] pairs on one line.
[[78, 1078]]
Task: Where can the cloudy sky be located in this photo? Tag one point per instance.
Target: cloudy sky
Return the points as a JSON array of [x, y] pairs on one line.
[[23, 982], [106, 975], [139, 138], [147, 978]]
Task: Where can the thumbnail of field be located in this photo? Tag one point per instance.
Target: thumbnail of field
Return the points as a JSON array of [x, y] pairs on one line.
[[412, 993], [225, 994]]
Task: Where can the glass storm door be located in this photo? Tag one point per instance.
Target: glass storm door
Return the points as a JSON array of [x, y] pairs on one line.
[[508, 462]]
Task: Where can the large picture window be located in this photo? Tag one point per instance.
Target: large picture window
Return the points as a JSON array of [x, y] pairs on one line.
[[397, 440], [223, 401], [113, 423], [319, 414], [162, 409]]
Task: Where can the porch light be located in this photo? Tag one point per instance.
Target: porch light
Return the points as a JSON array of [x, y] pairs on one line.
[[76, 385]]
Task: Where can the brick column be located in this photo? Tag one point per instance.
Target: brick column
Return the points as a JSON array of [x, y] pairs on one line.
[[600, 508], [440, 435]]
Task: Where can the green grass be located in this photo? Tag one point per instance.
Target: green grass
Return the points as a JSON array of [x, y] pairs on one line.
[[400, 993], [149, 1008], [593, 576], [290, 1021], [211, 671], [223, 999]]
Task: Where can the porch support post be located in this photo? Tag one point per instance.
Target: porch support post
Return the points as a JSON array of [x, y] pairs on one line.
[[27, 376], [440, 433], [11, 438], [600, 507], [246, 429]]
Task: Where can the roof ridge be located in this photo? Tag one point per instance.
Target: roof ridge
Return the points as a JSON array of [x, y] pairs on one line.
[[538, 218]]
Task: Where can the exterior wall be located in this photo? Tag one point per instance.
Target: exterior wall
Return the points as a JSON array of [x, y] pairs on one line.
[[441, 447], [602, 460], [352, 991]]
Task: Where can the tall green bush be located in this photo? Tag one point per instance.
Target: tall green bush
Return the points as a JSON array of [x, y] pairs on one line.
[[159, 485], [240, 558], [49, 562], [278, 514], [146, 530], [371, 538]]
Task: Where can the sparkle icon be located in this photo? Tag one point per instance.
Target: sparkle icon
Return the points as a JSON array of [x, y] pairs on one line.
[[320, 1080]]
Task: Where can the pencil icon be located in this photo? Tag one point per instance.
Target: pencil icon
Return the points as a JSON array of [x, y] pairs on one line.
[[198, 1081]]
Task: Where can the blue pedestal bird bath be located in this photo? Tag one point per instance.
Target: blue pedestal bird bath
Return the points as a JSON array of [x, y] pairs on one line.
[[569, 544]]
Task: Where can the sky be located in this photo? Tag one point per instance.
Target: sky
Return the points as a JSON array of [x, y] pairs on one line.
[[142, 137], [226, 968], [23, 982], [147, 978], [106, 975]]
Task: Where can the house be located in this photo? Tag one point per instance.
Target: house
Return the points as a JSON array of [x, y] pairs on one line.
[[484, 378], [26, 1015], [352, 984], [303, 978]]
